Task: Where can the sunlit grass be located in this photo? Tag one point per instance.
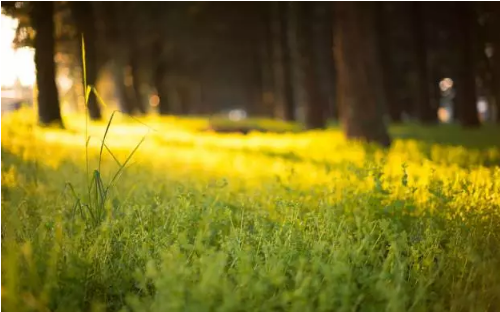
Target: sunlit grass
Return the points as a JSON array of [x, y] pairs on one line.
[[290, 222]]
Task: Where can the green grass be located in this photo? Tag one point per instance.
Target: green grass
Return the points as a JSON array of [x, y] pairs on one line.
[[264, 222]]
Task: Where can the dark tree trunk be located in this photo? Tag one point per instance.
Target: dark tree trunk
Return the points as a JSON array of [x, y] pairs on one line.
[[284, 99], [425, 111], [391, 102], [466, 86], [256, 85], [496, 72], [84, 15], [315, 117], [161, 89], [185, 98], [44, 43], [137, 79], [266, 57], [496, 62], [123, 86], [356, 62], [160, 78], [288, 94], [323, 60], [277, 60]]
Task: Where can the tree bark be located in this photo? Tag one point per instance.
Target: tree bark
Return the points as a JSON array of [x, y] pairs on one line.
[[277, 61], [137, 80], [356, 62], [285, 107], [123, 86], [266, 57], [288, 95], [424, 109], [44, 43], [323, 60], [315, 110], [84, 15], [466, 86], [160, 77], [496, 68], [161, 89], [496, 60], [294, 62], [393, 106]]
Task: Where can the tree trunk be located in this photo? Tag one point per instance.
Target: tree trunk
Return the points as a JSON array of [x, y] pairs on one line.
[[185, 98], [295, 86], [277, 61], [393, 106], [315, 117], [288, 95], [496, 61], [496, 74], [323, 60], [44, 43], [254, 83], [424, 110], [285, 107], [160, 78], [161, 89], [266, 57], [466, 86], [84, 15], [137, 79], [123, 86], [356, 62]]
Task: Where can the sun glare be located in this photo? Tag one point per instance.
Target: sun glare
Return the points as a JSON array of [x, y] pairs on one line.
[[15, 63]]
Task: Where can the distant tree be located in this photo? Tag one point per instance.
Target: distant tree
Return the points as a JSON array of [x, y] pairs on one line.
[[140, 35], [358, 76], [85, 19], [137, 73], [322, 40], [425, 112], [466, 87], [295, 50], [266, 60], [496, 65], [387, 56], [42, 16], [285, 101], [36, 29], [310, 35], [491, 17], [114, 47], [160, 77]]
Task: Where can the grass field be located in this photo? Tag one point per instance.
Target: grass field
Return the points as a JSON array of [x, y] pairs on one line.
[[197, 221]]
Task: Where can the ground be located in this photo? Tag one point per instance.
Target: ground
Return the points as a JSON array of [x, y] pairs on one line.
[[199, 221]]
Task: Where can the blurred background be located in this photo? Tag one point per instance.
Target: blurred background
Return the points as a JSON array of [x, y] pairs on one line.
[[307, 62]]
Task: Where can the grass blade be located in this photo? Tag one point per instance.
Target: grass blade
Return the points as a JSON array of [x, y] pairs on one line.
[[88, 89], [99, 98], [112, 155], [126, 161], [84, 65], [104, 139]]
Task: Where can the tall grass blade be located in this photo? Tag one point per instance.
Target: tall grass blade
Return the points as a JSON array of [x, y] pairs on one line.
[[88, 89], [99, 98], [84, 65], [104, 139], [112, 155], [126, 161]]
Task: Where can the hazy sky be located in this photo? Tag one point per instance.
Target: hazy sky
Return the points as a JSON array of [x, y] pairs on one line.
[[14, 63]]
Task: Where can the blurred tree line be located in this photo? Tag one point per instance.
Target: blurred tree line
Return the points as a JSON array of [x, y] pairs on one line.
[[364, 64]]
